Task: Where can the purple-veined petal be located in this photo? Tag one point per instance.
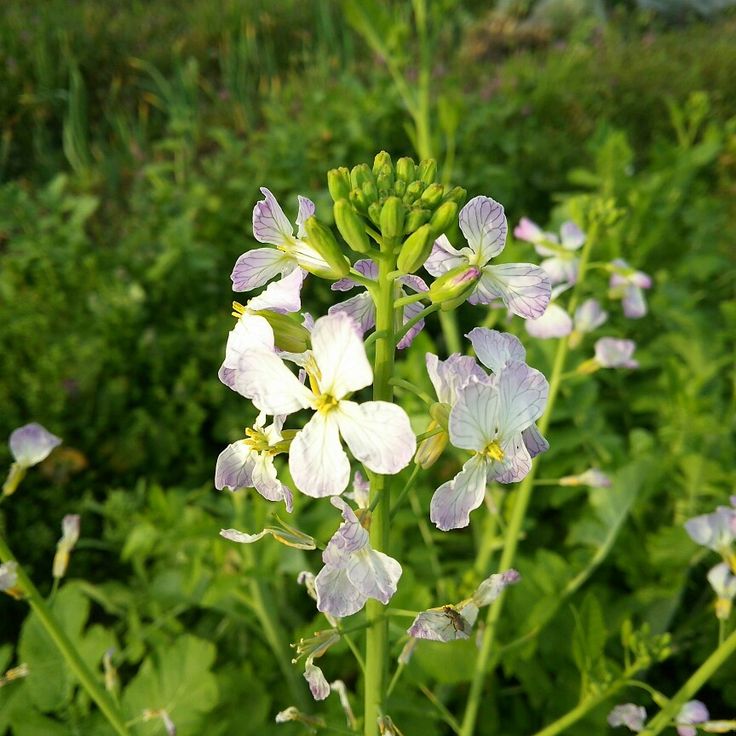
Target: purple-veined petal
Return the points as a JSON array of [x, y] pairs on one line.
[[413, 282], [522, 397], [360, 308], [282, 296], [589, 316], [440, 624], [339, 352], [611, 352], [336, 595], [266, 482], [234, 467], [450, 375], [306, 210], [555, 322], [411, 311], [32, 443], [453, 501], [529, 231], [378, 433], [535, 443], [374, 574], [571, 236], [493, 586], [318, 685], [524, 288], [494, 349], [350, 537], [475, 417], [256, 267], [443, 257], [364, 266], [263, 377], [483, 223], [270, 224], [634, 303], [318, 464], [516, 463]]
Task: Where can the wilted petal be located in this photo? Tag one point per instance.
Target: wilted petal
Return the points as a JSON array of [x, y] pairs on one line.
[[555, 322], [589, 316], [361, 490], [524, 288], [450, 375], [534, 442], [440, 624], [282, 296], [591, 477], [494, 349], [522, 395], [339, 352], [443, 257], [378, 433], [453, 501], [242, 537], [629, 715], [493, 586], [336, 595], [266, 482], [318, 464], [255, 267], [571, 236], [270, 224], [411, 311], [306, 210], [483, 224], [374, 574], [318, 685], [474, 419], [611, 352], [32, 443], [360, 309]]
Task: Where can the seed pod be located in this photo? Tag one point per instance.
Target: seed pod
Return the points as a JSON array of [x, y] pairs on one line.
[[428, 171], [415, 250], [443, 218], [432, 195], [351, 227], [382, 161], [324, 242], [338, 182], [406, 169], [415, 219], [392, 218], [454, 287]]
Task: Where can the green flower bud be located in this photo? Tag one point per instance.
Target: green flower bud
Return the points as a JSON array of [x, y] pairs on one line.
[[324, 242], [370, 190], [440, 413], [399, 187], [415, 219], [428, 171], [457, 195], [289, 334], [338, 182], [415, 250], [392, 218], [432, 195], [454, 287], [381, 162], [361, 174], [359, 201], [374, 212], [385, 184], [351, 227], [406, 169], [443, 218], [413, 191]]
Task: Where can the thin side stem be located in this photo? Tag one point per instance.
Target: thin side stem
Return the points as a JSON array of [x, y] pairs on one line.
[[417, 318], [76, 664], [401, 383], [410, 299]]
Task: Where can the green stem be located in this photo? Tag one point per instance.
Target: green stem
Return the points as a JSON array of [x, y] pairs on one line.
[[425, 397], [518, 513], [691, 687], [376, 643], [64, 645], [450, 331], [407, 487], [410, 299], [410, 323]]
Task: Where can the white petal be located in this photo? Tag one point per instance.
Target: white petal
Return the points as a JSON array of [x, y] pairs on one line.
[[571, 236], [453, 501], [634, 302], [524, 288], [374, 574], [282, 296], [336, 595], [555, 322], [516, 464], [483, 223], [318, 464], [234, 468], [440, 624], [263, 377], [450, 375], [250, 331], [378, 434], [561, 270], [339, 352], [270, 224], [266, 482], [493, 586], [611, 352], [360, 308], [32, 443], [310, 259], [589, 316], [494, 349], [306, 210], [241, 537], [474, 420], [443, 257], [350, 538], [255, 267], [523, 396]]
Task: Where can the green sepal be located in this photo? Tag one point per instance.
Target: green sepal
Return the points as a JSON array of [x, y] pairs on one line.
[[351, 227], [325, 243], [359, 201], [458, 195], [361, 174], [432, 195], [454, 287], [415, 250], [289, 334], [415, 219], [413, 191], [443, 218]]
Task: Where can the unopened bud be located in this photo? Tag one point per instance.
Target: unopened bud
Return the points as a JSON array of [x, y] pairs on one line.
[[415, 250], [406, 169], [413, 191], [458, 195], [392, 218], [432, 195], [289, 334], [399, 187], [443, 218], [385, 183], [454, 287], [361, 174], [69, 538], [359, 201], [371, 191], [324, 242], [351, 227], [338, 182], [374, 213], [382, 161], [428, 171], [415, 219]]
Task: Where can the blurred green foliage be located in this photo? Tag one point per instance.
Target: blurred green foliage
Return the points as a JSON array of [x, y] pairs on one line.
[[134, 140]]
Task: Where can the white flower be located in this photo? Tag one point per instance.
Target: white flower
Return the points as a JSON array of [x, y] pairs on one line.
[[378, 433], [628, 714]]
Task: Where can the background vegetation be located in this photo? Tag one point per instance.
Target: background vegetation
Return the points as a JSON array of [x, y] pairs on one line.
[[134, 138]]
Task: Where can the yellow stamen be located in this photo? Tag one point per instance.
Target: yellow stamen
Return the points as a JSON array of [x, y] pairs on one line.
[[326, 403], [493, 450], [238, 310]]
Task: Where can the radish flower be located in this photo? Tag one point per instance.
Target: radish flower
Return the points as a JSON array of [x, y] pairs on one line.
[[560, 264], [628, 285]]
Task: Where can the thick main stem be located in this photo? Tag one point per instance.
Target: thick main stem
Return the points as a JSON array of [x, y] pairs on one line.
[[64, 645], [376, 653]]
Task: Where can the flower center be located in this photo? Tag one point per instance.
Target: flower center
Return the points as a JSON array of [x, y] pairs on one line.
[[256, 440], [326, 403], [493, 450]]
